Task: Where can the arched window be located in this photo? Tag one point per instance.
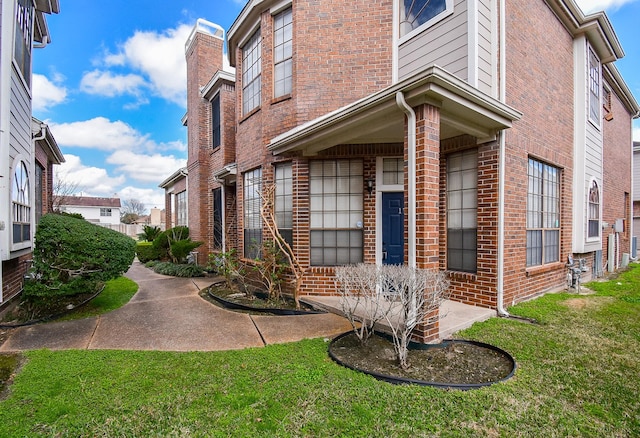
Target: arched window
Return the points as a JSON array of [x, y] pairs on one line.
[[594, 210], [415, 13], [20, 204]]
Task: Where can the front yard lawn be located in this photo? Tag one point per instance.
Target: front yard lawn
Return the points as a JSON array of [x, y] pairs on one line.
[[578, 374]]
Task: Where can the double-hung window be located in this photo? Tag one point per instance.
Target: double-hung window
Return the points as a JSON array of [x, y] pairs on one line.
[[594, 211], [284, 201], [594, 88], [181, 209], [462, 211], [23, 38], [215, 122], [252, 73], [336, 206], [282, 53], [543, 213], [105, 212], [217, 218], [20, 204], [252, 217]]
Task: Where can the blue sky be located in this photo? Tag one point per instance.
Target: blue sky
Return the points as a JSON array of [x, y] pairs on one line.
[[112, 86]]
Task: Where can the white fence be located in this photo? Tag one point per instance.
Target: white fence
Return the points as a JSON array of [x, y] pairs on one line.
[[131, 230]]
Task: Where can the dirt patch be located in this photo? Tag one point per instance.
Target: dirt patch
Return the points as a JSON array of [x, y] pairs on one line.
[[456, 363], [251, 298], [586, 303]]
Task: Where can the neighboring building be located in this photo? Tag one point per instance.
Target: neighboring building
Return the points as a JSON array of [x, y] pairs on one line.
[[97, 210], [490, 140], [175, 188], [27, 148]]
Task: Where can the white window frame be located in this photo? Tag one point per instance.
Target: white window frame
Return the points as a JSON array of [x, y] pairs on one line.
[[181, 209], [23, 38], [283, 173], [105, 212], [252, 73], [544, 203], [336, 198], [252, 223], [283, 52], [449, 8], [594, 87], [21, 204], [462, 209], [594, 212]]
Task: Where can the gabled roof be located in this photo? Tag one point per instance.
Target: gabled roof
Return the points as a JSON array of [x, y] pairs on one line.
[[596, 27], [42, 134], [88, 201], [175, 176]]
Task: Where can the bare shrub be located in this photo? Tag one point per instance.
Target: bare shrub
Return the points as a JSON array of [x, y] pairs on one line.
[[361, 302], [416, 293]]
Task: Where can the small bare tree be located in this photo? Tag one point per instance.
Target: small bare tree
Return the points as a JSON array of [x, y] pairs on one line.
[[268, 214], [360, 298], [63, 189], [416, 293]]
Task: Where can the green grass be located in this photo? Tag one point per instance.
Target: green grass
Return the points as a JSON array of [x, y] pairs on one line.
[[578, 374], [115, 294]]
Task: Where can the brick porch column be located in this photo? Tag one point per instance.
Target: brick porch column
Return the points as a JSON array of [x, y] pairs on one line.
[[427, 205]]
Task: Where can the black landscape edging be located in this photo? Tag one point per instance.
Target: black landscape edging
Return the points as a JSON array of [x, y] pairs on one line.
[[275, 311], [443, 385], [52, 317]]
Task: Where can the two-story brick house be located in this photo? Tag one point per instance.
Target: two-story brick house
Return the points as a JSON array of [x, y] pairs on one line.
[[490, 139], [27, 149]]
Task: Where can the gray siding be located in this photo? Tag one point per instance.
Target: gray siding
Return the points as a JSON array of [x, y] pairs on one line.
[[487, 58], [445, 44], [20, 122], [636, 177]]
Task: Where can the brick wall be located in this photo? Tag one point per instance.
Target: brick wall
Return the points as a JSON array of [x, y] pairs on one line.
[[616, 190], [540, 85], [13, 272]]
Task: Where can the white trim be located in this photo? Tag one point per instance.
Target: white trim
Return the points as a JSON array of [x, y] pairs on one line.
[[279, 7], [472, 42], [449, 9], [597, 123], [380, 189], [596, 239], [580, 104], [395, 29], [27, 244]]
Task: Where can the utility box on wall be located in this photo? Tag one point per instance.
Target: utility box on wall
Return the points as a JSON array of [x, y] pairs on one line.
[[618, 227]]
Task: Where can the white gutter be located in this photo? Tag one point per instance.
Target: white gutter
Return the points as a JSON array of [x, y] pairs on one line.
[[411, 164], [501, 167]]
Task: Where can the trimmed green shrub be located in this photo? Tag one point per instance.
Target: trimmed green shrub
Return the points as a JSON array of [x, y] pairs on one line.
[[146, 252], [71, 255], [178, 270], [181, 249], [174, 244]]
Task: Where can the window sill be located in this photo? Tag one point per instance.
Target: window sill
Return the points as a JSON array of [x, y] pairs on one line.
[[249, 114], [460, 275], [543, 269], [277, 100]]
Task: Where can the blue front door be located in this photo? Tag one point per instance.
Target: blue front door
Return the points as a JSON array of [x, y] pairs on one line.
[[393, 228]]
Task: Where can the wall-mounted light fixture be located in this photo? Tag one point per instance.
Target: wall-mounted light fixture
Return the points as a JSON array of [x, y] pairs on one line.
[[370, 185]]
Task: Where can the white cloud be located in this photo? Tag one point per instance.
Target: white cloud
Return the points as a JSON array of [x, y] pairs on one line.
[[89, 180], [105, 83], [589, 6], [100, 133], [159, 58], [145, 168], [47, 93], [151, 198]]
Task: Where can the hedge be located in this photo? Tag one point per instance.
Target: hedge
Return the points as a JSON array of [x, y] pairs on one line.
[[72, 253]]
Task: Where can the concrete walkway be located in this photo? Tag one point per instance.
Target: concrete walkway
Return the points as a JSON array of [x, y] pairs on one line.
[[168, 314]]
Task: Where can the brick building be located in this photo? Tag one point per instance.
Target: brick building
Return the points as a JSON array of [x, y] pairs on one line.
[[490, 139], [28, 151]]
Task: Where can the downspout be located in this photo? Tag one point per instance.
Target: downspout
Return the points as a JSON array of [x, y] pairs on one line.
[[45, 42], [501, 167], [411, 173]]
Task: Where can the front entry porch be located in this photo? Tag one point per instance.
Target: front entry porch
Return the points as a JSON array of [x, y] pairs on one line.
[[454, 316]]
